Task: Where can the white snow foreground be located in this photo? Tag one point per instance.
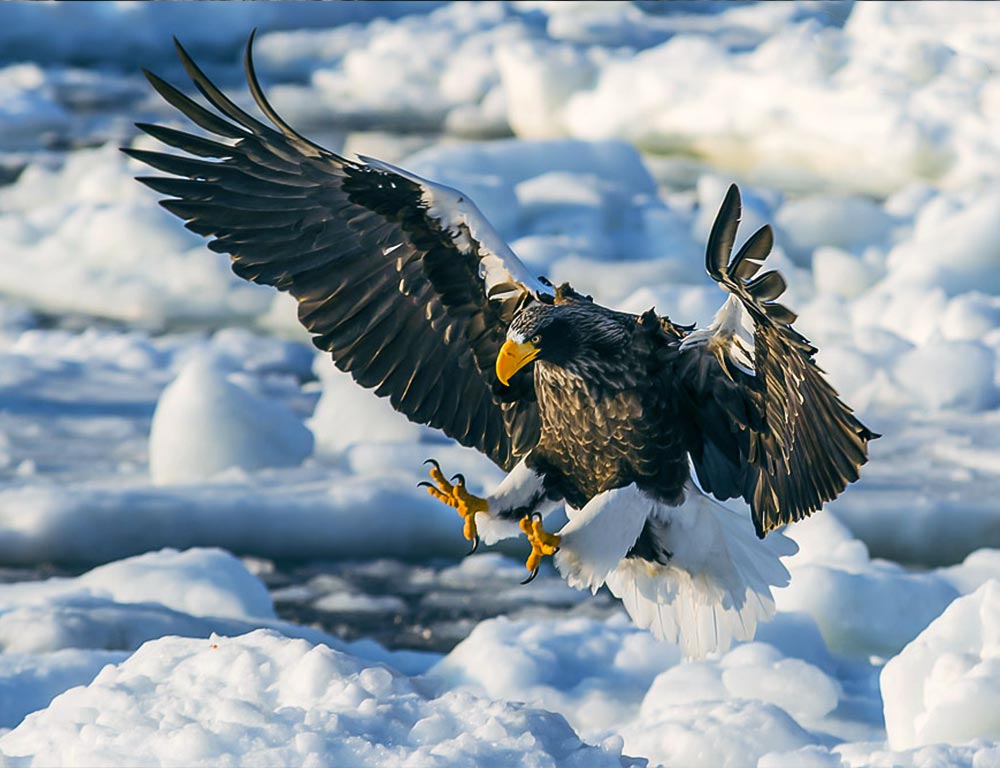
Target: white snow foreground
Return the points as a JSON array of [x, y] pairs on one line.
[[265, 699], [787, 699]]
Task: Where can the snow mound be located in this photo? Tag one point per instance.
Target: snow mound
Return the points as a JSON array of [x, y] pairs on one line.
[[264, 699], [861, 606], [200, 582], [593, 672], [205, 423], [945, 685], [757, 671], [715, 734]]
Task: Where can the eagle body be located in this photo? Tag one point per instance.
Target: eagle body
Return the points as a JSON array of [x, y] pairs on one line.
[[608, 419], [640, 427]]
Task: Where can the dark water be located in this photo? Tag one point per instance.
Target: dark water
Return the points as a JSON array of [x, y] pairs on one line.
[[427, 607]]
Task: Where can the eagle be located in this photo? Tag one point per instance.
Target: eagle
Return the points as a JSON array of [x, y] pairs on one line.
[[639, 426]]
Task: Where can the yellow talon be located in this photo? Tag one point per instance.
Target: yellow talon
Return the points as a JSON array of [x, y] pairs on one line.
[[542, 543], [455, 495]]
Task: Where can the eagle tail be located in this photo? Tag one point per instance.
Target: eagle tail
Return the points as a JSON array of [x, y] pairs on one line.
[[715, 584]]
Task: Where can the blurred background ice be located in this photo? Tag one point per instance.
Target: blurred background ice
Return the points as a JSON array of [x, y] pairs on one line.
[[154, 408]]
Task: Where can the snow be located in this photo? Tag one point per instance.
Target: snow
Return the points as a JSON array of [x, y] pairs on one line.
[[204, 424], [945, 685], [266, 699], [157, 414]]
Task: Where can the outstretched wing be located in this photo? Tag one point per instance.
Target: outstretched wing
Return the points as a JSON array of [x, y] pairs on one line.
[[764, 423], [402, 280]]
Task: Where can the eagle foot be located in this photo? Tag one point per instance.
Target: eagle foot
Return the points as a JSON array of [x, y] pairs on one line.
[[454, 494], [542, 543]]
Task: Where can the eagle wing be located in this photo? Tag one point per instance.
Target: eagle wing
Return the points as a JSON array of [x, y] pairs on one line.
[[402, 280], [763, 422]]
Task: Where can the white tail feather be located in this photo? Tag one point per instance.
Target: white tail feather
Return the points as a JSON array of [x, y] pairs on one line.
[[717, 585]]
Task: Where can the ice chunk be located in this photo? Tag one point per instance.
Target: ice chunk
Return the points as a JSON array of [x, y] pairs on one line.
[[845, 222], [204, 423], [945, 685], [715, 734], [954, 374]]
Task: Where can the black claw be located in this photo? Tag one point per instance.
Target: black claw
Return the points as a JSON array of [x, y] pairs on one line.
[[531, 577], [475, 545], [535, 516], [434, 462], [461, 478], [425, 484]]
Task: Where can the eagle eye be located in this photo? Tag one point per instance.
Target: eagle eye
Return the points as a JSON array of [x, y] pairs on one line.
[[536, 338]]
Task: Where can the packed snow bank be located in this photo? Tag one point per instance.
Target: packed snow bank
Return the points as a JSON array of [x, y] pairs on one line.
[[945, 685], [263, 698], [124, 32], [869, 115], [729, 734], [199, 582], [121, 605], [86, 238], [59, 632], [205, 423], [317, 512]]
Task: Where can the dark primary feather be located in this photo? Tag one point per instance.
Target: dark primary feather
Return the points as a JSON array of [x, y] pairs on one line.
[[389, 290], [781, 438]]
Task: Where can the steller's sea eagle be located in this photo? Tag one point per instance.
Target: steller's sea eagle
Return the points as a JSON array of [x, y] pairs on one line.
[[631, 421]]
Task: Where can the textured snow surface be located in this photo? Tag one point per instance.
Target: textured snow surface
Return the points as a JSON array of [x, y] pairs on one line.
[[265, 699], [158, 414], [945, 685]]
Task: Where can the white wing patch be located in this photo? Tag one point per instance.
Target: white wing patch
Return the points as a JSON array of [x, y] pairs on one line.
[[471, 232], [734, 329]]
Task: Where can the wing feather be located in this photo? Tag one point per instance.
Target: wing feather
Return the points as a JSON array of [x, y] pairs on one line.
[[402, 280], [763, 422]]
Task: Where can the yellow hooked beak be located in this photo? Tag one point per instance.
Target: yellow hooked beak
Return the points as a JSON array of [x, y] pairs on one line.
[[513, 356]]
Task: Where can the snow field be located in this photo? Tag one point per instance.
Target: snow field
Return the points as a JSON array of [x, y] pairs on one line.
[[865, 135]]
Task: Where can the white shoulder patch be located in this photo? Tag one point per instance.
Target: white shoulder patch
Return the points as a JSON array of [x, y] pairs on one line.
[[471, 232], [732, 327]]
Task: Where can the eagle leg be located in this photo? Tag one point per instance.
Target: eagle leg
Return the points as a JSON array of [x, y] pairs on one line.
[[455, 494], [542, 543]]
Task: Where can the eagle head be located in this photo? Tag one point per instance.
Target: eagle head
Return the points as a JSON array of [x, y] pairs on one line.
[[566, 334]]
